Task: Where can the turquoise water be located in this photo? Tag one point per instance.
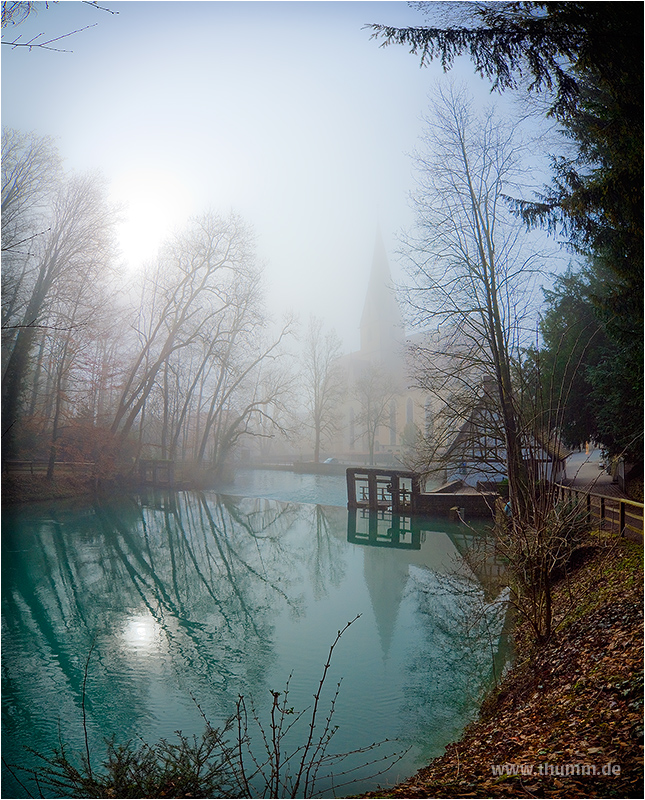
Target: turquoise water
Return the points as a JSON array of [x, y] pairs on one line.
[[209, 596], [328, 490]]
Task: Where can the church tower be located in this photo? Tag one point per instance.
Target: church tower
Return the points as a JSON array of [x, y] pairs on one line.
[[382, 332]]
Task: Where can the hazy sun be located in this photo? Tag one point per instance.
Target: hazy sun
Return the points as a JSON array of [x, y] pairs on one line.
[[154, 202]]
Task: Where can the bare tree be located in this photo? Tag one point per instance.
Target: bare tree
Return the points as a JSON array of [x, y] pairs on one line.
[[30, 167], [15, 13], [375, 392], [247, 398], [473, 274], [30, 173], [79, 238], [80, 316], [323, 381], [190, 291], [188, 367], [201, 373]]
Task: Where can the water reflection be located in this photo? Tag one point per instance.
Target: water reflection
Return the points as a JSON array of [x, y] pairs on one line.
[[383, 529], [141, 634], [211, 596], [193, 577]]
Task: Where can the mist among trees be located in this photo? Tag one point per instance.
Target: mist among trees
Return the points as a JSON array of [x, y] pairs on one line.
[[581, 66], [182, 361], [178, 364]]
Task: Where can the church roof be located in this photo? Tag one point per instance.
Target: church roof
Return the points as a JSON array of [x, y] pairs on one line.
[[382, 332]]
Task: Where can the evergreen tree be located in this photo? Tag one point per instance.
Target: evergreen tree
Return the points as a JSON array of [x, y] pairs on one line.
[[589, 58], [573, 343]]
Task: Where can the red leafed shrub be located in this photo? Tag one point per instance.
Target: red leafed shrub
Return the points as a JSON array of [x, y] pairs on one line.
[[84, 442]]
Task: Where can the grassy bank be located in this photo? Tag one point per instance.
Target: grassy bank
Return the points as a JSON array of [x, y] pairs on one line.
[[570, 706]]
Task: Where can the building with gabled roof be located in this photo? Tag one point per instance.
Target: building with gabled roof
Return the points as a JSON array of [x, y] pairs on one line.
[[477, 454], [384, 355]]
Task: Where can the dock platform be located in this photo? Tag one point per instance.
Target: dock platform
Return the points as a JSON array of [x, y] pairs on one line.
[[400, 491]]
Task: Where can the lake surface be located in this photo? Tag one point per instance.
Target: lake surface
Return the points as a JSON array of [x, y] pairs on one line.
[[209, 596]]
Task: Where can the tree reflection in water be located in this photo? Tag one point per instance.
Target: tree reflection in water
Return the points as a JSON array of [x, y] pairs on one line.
[[184, 584], [448, 579], [205, 596]]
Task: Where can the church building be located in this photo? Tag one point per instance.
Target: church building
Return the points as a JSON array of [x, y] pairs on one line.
[[382, 413]]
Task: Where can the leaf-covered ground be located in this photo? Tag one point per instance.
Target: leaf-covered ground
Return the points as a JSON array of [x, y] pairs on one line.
[[573, 706]]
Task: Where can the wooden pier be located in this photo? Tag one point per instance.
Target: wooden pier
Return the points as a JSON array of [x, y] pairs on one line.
[[399, 491], [384, 489], [157, 473]]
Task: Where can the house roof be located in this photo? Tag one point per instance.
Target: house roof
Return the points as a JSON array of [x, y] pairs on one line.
[[471, 429]]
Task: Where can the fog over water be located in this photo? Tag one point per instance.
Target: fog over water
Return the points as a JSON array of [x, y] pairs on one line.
[[289, 115]]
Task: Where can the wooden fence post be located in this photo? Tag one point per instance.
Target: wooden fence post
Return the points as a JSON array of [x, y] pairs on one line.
[[351, 488], [372, 491]]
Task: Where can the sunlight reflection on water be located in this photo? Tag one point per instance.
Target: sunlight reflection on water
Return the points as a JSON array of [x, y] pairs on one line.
[[198, 595], [141, 633]]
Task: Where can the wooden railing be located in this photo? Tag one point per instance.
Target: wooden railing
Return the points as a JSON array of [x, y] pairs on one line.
[[614, 513], [38, 466]]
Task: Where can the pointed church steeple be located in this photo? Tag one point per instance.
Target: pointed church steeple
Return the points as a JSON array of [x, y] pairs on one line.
[[382, 333]]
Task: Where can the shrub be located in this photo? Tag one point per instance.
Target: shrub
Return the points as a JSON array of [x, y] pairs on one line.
[[220, 763], [537, 556]]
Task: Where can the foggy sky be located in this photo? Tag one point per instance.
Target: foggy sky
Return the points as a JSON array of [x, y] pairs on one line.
[[285, 112]]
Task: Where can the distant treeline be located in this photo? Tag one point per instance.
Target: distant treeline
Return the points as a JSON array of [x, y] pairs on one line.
[[176, 364]]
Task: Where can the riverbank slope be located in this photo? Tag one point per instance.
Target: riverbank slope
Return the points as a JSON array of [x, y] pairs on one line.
[[21, 488], [573, 706]]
